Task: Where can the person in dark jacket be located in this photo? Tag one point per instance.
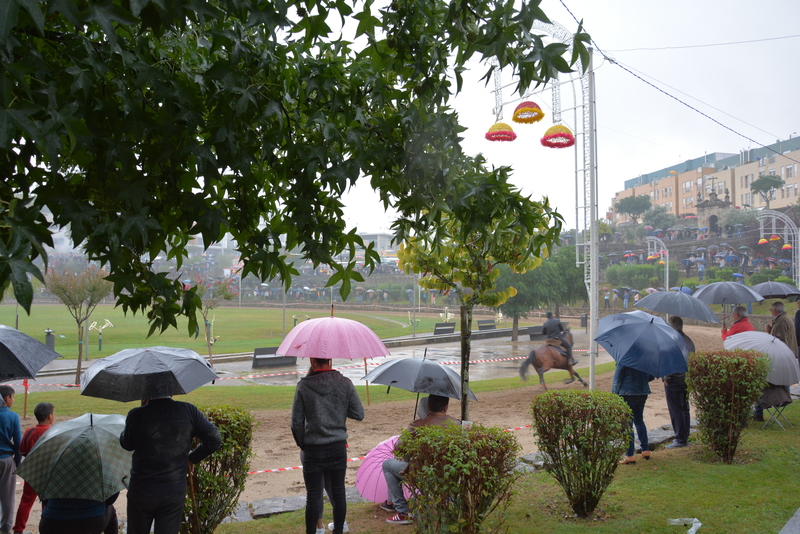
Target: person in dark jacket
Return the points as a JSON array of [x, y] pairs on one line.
[[160, 434], [632, 385], [553, 328], [677, 395], [323, 401]]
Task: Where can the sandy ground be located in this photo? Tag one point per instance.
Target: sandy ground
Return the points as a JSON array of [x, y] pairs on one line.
[[274, 447]]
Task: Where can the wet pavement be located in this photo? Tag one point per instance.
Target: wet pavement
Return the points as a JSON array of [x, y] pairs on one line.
[[490, 358]]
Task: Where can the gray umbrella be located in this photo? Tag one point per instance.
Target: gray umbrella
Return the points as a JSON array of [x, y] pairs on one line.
[[776, 290], [146, 373], [727, 293], [678, 303], [21, 356], [783, 363], [419, 376]]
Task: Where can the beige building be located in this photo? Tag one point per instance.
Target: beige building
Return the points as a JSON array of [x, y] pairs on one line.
[[681, 187]]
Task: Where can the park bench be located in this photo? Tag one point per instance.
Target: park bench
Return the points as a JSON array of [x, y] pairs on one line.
[[266, 357], [486, 324], [536, 332], [444, 328]]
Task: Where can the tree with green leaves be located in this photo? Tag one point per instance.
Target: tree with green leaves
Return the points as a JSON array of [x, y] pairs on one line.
[[659, 217], [634, 206], [80, 292], [212, 294], [144, 125], [766, 186], [535, 287], [488, 223]]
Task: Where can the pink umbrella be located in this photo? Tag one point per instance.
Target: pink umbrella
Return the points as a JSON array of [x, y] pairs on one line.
[[331, 338], [370, 482]]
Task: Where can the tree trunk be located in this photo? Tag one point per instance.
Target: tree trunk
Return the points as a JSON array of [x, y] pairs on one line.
[[515, 329], [80, 354], [557, 310], [466, 332]]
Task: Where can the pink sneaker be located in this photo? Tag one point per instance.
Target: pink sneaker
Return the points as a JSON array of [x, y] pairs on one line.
[[399, 519]]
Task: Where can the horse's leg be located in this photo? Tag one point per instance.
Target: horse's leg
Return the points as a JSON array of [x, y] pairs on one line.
[[540, 371], [585, 384], [541, 367], [571, 372]]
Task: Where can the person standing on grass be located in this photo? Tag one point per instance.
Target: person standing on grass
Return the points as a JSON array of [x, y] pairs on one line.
[[632, 385], [677, 394], [782, 326], [10, 438], [323, 402], [45, 415], [160, 434]]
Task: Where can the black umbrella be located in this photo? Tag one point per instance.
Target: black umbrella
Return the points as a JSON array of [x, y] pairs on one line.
[[678, 303], [21, 356], [776, 290], [419, 376], [147, 373], [727, 293]]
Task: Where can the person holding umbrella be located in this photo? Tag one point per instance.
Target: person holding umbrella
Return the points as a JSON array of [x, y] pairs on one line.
[[323, 401], [632, 385], [10, 438], [45, 415], [740, 323], [160, 434], [677, 394], [394, 469], [782, 326]]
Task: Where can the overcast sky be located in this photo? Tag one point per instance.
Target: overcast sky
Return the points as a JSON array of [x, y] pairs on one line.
[[751, 88]]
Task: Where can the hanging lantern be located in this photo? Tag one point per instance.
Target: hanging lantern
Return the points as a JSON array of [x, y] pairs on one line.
[[763, 241], [527, 113], [774, 237], [787, 246], [501, 132], [558, 136]]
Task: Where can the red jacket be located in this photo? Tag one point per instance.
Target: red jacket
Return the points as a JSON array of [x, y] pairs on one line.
[[30, 438], [742, 325]]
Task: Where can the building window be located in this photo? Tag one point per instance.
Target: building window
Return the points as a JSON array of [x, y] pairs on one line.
[[772, 172], [789, 171]]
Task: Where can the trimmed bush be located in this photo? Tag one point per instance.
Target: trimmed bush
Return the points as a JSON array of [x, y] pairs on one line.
[[459, 477], [724, 385], [583, 434], [219, 479], [725, 275]]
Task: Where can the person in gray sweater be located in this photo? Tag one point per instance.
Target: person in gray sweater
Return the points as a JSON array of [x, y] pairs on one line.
[[323, 401]]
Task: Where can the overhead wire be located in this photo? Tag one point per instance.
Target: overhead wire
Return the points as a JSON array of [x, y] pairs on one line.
[[640, 78], [702, 45]]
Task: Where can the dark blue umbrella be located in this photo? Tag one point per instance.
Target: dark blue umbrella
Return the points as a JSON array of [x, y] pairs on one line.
[[644, 342], [784, 260], [776, 290], [688, 262], [738, 275]]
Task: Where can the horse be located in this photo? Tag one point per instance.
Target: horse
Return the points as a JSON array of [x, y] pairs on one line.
[[546, 357]]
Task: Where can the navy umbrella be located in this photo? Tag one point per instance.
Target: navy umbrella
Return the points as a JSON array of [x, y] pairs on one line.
[[419, 376], [21, 356], [678, 303], [644, 342]]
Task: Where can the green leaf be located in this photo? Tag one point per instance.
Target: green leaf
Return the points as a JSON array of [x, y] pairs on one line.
[[34, 11], [9, 10]]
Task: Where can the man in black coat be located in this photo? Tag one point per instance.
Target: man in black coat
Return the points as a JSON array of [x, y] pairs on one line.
[[677, 395], [160, 434], [553, 328]]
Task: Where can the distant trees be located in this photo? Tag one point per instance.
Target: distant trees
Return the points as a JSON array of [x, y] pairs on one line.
[[659, 217], [81, 293], [634, 206], [212, 294]]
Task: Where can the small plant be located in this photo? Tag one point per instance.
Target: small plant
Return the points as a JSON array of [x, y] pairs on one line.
[[723, 386], [219, 480], [583, 434], [459, 477]]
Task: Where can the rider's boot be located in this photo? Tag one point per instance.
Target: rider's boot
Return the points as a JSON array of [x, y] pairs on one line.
[[570, 359]]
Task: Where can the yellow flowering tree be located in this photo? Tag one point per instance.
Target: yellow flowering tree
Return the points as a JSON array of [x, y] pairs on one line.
[[487, 223]]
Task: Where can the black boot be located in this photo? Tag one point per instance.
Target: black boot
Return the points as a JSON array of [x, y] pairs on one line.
[[570, 359]]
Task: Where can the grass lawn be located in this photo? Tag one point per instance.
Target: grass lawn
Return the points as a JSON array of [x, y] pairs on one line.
[[239, 329], [755, 495]]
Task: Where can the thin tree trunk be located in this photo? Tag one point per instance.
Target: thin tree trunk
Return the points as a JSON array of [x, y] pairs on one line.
[[515, 329], [466, 332], [80, 354], [208, 343]]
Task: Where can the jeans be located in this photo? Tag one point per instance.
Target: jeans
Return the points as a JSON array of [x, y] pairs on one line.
[[328, 488], [391, 471], [316, 464], [678, 405], [636, 402], [101, 524]]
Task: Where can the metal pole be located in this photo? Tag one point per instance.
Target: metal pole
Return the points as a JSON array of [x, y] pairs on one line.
[[594, 303]]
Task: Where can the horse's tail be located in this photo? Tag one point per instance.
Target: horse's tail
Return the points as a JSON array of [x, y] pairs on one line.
[[523, 368]]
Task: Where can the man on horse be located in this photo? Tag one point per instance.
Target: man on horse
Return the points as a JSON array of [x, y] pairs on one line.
[[554, 329]]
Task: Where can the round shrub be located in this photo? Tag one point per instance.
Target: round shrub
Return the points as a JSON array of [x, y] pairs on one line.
[[724, 385], [219, 480], [583, 434], [459, 477]]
